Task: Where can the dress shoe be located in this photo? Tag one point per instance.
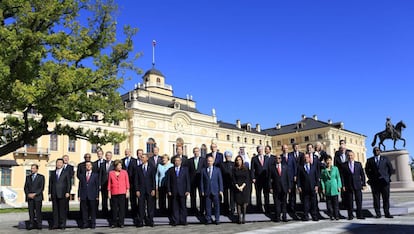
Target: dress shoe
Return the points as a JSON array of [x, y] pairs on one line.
[[173, 224], [284, 219], [331, 218], [53, 228], [350, 218], [389, 216], [377, 216], [276, 220], [360, 217], [113, 226], [140, 225], [305, 219], [209, 222], [315, 219], [217, 222]]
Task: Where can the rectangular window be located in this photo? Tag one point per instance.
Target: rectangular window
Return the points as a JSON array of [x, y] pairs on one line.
[[238, 139], [260, 142], [306, 139], [279, 143], [94, 148], [217, 135], [72, 145], [253, 141], [116, 149], [95, 118], [116, 122], [245, 140], [320, 137], [5, 176], [228, 137], [292, 140], [53, 142]]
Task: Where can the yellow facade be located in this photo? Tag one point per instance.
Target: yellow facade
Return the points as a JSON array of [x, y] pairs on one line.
[[156, 117]]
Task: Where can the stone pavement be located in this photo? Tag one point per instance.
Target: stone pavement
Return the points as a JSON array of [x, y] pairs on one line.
[[402, 207]]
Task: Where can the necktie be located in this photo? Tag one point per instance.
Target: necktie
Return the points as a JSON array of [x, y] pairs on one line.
[[351, 166], [307, 168], [210, 172], [311, 159], [33, 177], [343, 158], [107, 166], [279, 170], [196, 163], [127, 162], [145, 170], [286, 158], [57, 174], [261, 159], [377, 161], [177, 171], [88, 176]]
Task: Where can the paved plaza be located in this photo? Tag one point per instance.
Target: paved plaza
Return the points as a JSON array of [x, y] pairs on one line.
[[402, 203]]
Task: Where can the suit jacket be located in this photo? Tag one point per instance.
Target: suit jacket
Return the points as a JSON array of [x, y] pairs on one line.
[[105, 173], [82, 169], [88, 190], [380, 175], [227, 173], [298, 157], [218, 160], [131, 170], [307, 182], [337, 159], [69, 169], [353, 181], [178, 185], [153, 162], [279, 183], [145, 183], [95, 166], [195, 175], [184, 160], [211, 186], [258, 171], [36, 186], [59, 187], [331, 181], [291, 165]]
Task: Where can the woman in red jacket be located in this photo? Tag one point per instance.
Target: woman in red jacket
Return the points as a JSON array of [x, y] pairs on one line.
[[118, 192]]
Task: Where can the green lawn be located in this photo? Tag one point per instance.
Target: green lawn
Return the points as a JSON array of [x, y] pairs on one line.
[[44, 209]]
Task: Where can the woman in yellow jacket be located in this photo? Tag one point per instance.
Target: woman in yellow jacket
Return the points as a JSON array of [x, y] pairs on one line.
[[331, 187]]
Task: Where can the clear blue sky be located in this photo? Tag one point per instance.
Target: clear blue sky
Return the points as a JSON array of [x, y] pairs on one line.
[[270, 61]]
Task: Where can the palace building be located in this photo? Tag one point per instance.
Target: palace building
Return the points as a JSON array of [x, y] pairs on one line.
[[158, 118]]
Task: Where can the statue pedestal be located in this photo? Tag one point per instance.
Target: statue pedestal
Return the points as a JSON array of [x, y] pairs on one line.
[[402, 178]]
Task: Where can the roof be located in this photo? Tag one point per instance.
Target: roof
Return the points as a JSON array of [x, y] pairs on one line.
[[154, 72], [243, 127], [162, 102], [304, 125], [8, 163]]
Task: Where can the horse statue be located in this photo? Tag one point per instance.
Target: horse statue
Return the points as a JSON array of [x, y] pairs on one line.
[[383, 135]]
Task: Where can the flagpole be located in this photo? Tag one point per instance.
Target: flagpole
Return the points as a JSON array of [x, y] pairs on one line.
[[153, 52]]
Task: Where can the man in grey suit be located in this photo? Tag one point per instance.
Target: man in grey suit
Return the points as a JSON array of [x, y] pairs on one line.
[[33, 188], [212, 188], [379, 170]]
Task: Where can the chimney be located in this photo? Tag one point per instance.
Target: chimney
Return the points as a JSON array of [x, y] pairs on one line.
[[278, 126], [329, 121], [303, 117], [315, 117], [238, 125], [258, 129]]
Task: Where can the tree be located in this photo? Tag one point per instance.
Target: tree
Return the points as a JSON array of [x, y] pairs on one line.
[[62, 66]]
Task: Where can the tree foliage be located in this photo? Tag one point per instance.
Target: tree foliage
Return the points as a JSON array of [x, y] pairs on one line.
[[61, 59]]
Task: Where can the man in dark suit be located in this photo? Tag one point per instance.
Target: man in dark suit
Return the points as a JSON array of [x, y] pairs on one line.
[[259, 175], [67, 168], [379, 170], [178, 187], [106, 167], [297, 155], [130, 165], [99, 162], [88, 195], [341, 154], [218, 157], [289, 160], [353, 181], [33, 188], [279, 184], [228, 186], [145, 185], [308, 181], [212, 188], [59, 192], [156, 158], [196, 164], [82, 165], [184, 158]]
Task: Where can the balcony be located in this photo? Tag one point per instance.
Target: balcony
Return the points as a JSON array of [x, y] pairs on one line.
[[32, 152]]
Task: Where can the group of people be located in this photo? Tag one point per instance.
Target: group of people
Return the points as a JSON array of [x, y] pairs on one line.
[[220, 184]]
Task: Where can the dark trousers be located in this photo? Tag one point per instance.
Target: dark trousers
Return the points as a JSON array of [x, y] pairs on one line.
[[88, 209], [59, 212], [332, 205], [292, 198], [309, 204], [35, 212], [134, 204], [104, 194], [260, 186], [384, 191], [118, 209], [193, 196], [349, 194], [210, 200], [228, 204], [280, 200], [146, 201], [179, 210], [162, 198]]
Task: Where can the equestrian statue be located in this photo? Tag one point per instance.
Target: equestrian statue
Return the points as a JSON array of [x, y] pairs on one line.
[[390, 132]]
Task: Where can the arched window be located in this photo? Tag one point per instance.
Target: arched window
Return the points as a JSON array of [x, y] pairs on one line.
[[179, 143], [158, 81], [150, 145]]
